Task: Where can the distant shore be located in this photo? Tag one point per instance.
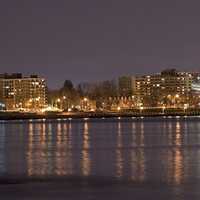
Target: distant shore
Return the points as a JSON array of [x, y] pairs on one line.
[[76, 115]]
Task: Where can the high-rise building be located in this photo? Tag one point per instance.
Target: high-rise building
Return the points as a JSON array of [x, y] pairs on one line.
[[18, 92]]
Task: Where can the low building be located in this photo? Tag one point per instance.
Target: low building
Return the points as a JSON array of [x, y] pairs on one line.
[[87, 105], [18, 92]]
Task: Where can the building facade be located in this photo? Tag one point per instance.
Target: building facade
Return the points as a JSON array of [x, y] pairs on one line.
[[18, 92], [167, 87]]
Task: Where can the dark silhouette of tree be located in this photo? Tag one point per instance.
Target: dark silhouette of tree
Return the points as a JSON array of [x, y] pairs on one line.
[[68, 85]]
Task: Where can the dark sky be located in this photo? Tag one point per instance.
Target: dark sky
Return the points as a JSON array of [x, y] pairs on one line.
[[98, 39]]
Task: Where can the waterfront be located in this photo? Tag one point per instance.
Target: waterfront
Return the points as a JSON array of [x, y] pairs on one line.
[[109, 158]]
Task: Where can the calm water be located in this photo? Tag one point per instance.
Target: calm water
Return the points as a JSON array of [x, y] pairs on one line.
[[154, 158]]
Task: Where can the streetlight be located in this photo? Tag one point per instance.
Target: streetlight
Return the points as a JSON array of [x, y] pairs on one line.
[[163, 109], [103, 104], [85, 103], [185, 106], [177, 95], [57, 101], [141, 109], [64, 102]]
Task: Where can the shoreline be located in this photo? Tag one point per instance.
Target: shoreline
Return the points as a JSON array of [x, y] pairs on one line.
[[26, 116]]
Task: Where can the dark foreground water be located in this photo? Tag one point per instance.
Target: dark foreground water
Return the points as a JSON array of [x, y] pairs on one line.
[[149, 158]]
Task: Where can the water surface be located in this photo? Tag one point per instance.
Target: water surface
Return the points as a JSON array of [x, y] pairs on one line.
[[149, 158]]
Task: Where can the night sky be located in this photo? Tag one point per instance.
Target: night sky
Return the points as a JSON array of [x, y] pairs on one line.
[[98, 39]]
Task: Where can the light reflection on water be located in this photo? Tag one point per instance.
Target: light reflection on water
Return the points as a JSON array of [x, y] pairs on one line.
[[2, 149], [119, 155], [85, 160], [163, 150]]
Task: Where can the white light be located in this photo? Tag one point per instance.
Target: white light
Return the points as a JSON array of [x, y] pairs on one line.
[[177, 96], [196, 86]]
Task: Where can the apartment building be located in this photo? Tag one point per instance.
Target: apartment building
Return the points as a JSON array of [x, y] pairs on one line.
[[18, 92]]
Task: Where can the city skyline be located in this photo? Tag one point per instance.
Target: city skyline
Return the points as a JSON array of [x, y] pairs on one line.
[[167, 89], [93, 81], [111, 78], [98, 40]]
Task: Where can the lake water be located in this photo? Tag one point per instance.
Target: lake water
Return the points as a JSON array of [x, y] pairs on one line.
[[127, 158]]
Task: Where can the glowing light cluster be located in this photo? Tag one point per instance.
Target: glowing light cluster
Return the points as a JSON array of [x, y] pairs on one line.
[[196, 87]]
